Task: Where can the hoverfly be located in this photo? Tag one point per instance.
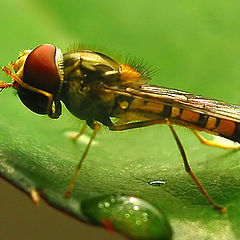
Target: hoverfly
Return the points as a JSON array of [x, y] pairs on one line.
[[96, 88]]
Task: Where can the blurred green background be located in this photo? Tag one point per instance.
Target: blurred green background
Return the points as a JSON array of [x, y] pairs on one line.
[[196, 47]]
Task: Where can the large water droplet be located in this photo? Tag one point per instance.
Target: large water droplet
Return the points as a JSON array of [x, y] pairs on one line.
[[131, 216]]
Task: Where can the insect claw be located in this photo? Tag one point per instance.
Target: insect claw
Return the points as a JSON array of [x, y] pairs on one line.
[[35, 196], [75, 136], [67, 194], [5, 85], [221, 209]]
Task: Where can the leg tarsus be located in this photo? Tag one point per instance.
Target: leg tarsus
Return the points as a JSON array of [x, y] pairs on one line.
[[75, 136], [9, 73], [213, 143], [35, 196], [5, 85]]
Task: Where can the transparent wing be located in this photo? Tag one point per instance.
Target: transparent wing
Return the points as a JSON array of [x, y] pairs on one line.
[[185, 100]]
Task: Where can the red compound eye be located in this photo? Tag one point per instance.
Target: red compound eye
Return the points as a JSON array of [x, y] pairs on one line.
[[42, 70]]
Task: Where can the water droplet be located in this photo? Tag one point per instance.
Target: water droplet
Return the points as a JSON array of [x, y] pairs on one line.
[[145, 214], [138, 222], [100, 205], [136, 208], [107, 204], [145, 219], [156, 183], [131, 212], [131, 216]]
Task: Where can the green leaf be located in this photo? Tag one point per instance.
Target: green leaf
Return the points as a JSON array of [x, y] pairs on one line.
[[196, 46]]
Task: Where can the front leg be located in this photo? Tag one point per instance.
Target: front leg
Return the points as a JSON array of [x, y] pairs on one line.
[[68, 192]]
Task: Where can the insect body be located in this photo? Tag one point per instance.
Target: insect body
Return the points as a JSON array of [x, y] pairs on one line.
[[96, 88]]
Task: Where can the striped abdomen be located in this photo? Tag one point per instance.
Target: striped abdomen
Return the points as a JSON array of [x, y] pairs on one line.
[[221, 127], [130, 109]]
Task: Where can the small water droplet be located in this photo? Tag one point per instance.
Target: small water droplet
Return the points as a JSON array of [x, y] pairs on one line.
[[145, 219], [145, 214], [100, 205], [113, 200], [136, 208], [156, 183], [106, 204], [131, 212], [138, 222]]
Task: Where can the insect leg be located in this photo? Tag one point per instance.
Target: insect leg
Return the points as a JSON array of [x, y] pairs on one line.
[[96, 127], [75, 136], [68, 193], [191, 173], [9, 73], [126, 126], [213, 143], [35, 196], [51, 108], [5, 85]]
